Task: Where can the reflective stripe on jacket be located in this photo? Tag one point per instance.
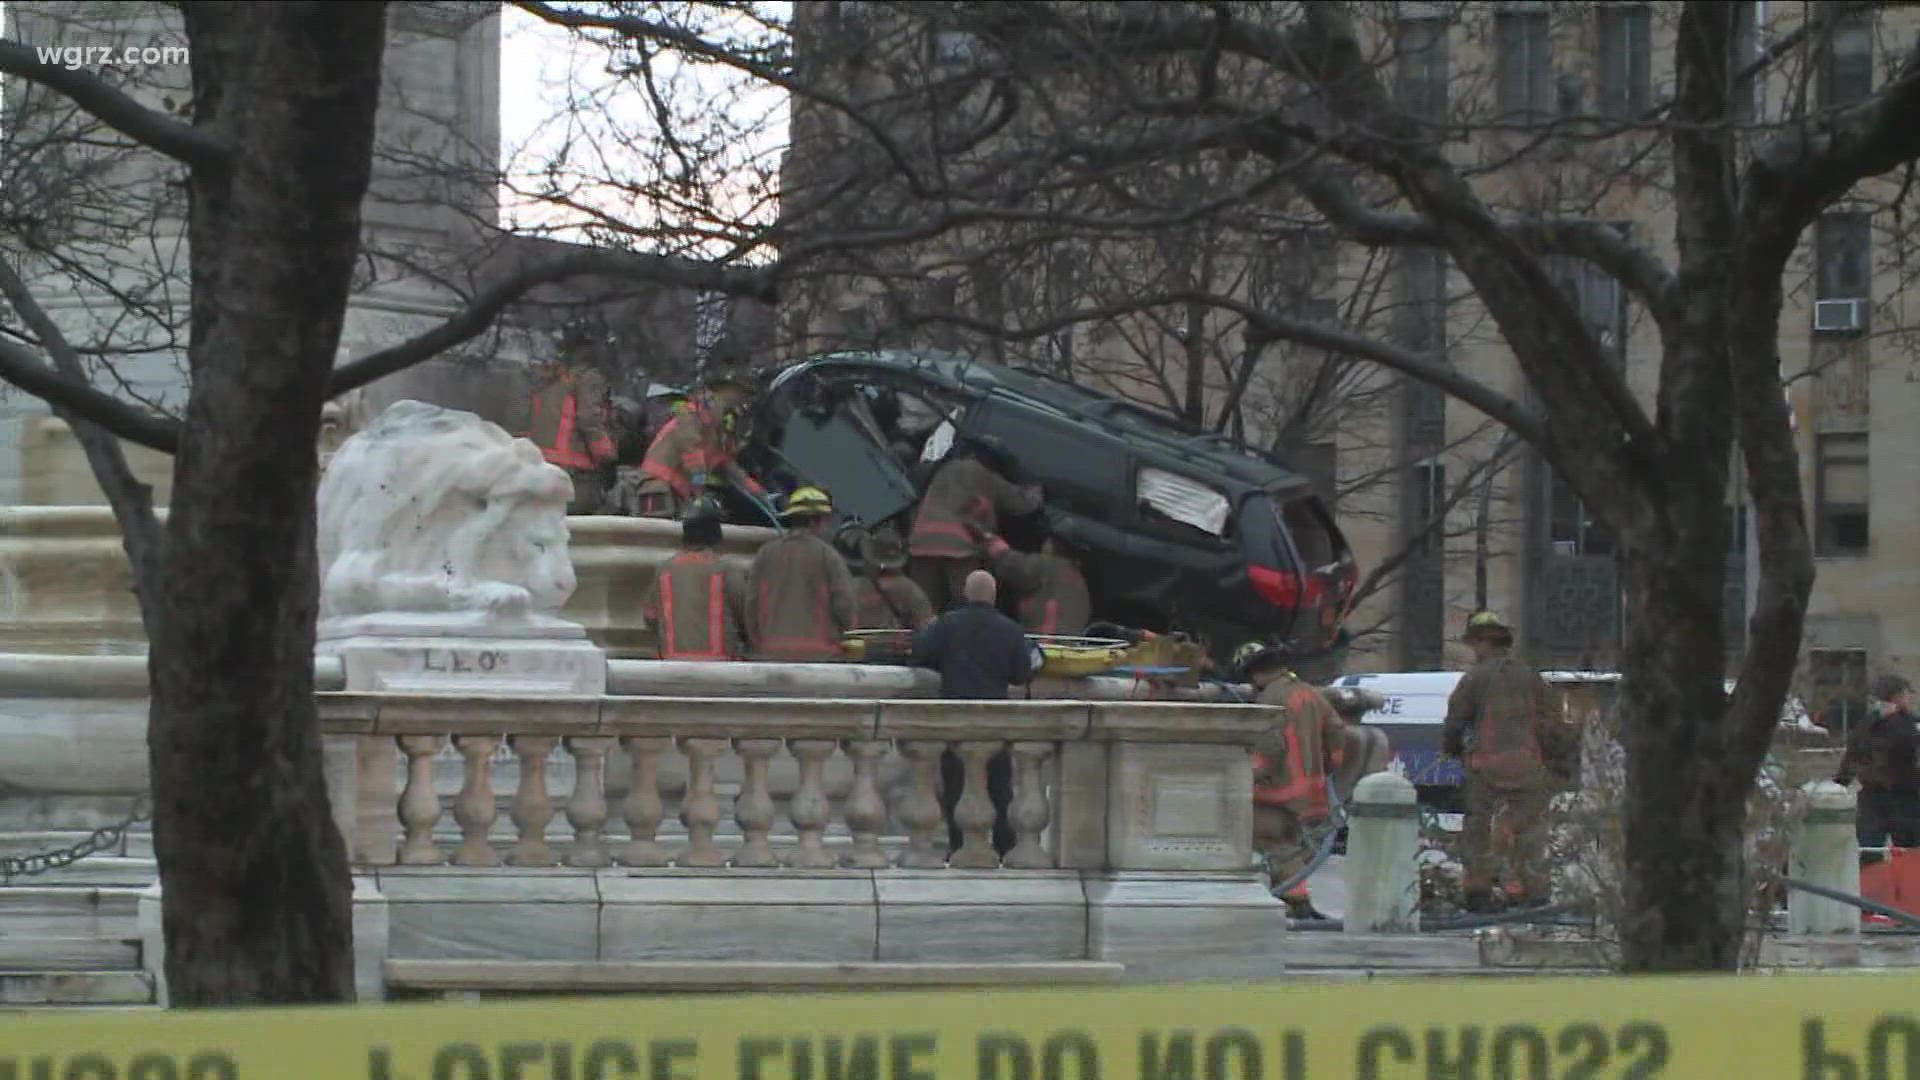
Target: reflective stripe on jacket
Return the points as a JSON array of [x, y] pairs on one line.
[[961, 490], [1290, 767], [800, 603], [697, 606], [570, 419], [690, 446]]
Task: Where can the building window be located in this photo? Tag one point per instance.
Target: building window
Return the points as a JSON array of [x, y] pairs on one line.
[[1746, 52], [1845, 247], [1846, 61], [1423, 292], [1429, 480], [1840, 494], [1524, 67], [1599, 299], [1626, 61], [1571, 529], [1422, 84], [1836, 691]]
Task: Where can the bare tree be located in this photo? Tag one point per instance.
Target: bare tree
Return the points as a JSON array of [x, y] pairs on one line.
[[1064, 118], [253, 870]]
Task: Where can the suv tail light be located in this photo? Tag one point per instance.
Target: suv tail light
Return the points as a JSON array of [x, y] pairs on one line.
[[1277, 587]]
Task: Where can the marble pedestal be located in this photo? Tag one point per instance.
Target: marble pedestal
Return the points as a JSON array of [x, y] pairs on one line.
[[465, 653]]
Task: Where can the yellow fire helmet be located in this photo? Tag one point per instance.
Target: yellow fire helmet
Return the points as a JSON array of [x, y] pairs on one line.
[[1256, 654], [807, 501], [1486, 620]]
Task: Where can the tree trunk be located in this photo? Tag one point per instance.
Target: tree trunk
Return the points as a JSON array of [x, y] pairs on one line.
[[257, 890], [1686, 788]]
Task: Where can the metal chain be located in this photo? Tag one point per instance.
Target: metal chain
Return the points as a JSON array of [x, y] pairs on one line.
[[101, 839]]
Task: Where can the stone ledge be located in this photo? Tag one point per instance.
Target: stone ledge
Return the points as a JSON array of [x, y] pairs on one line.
[[641, 976]]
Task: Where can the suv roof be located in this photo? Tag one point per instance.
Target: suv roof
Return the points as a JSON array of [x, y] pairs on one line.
[[1138, 425]]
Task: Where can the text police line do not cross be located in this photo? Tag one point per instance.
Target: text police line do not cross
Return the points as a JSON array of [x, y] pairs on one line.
[[1832, 1028]]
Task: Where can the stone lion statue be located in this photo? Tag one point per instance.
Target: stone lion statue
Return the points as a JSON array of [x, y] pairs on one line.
[[431, 510]]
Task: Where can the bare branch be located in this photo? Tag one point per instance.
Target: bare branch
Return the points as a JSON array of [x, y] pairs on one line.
[[20, 367], [477, 316], [1497, 406], [148, 127]]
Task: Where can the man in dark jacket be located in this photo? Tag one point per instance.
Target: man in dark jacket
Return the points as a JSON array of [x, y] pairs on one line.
[[979, 653], [1881, 755]]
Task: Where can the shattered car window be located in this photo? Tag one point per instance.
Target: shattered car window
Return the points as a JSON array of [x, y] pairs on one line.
[[1185, 500]]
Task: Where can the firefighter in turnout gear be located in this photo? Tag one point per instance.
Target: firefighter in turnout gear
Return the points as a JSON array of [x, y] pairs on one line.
[[1497, 721], [697, 603], [800, 599], [887, 598], [570, 418], [965, 490], [694, 449], [1049, 595], [1290, 767]]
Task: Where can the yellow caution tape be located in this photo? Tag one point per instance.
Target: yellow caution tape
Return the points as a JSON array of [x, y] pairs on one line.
[[1834, 1027]]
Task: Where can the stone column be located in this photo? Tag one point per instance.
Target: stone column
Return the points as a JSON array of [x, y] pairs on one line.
[[1825, 852], [1383, 836]]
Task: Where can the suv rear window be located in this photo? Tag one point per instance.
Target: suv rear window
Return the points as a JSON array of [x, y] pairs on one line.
[[1311, 537]]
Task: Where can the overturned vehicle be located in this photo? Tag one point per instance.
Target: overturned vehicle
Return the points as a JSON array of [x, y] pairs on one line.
[[1174, 528]]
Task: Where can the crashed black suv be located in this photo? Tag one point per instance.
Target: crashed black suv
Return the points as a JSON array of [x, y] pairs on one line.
[[1174, 528]]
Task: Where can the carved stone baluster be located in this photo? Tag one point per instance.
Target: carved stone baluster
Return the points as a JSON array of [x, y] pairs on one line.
[[753, 807], [643, 806], [419, 805], [811, 810], [532, 805], [920, 808], [866, 813], [474, 808], [587, 806], [974, 812], [699, 807], [1029, 812]]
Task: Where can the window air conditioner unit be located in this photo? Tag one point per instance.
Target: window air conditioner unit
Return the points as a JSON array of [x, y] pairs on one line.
[[1839, 316]]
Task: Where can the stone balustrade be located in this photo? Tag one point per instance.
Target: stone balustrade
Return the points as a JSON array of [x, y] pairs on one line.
[[1078, 769], [809, 831]]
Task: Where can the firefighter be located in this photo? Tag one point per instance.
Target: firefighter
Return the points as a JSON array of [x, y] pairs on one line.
[[1290, 767], [571, 419], [1497, 721], [697, 603], [694, 449], [1050, 595], [1363, 750], [965, 489], [887, 598], [800, 599]]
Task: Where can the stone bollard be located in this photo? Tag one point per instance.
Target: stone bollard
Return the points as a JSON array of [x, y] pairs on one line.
[[1383, 836], [1825, 852]]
